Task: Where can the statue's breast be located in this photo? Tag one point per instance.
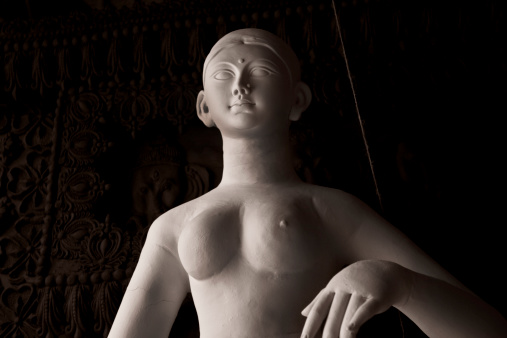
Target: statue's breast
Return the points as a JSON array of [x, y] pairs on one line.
[[275, 233], [209, 241], [282, 235]]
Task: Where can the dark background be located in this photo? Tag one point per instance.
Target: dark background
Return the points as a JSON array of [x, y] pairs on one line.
[[99, 95]]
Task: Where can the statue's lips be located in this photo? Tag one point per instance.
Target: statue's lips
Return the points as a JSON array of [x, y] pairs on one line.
[[240, 103]]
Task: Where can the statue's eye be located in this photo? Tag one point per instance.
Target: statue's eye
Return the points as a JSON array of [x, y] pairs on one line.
[[260, 72], [223, 75]]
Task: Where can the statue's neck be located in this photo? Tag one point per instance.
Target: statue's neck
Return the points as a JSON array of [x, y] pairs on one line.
[[265, 160]]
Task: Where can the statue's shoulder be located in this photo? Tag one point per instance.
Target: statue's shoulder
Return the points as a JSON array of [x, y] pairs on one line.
[[178, 216], [336, 204], [323, 195], [167, 227]]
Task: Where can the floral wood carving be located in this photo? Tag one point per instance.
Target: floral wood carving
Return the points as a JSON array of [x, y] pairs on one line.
[[105, 304], [78, 309], [17, 311], [28, 183], [50, 313], [21, 249], [102, 250], [69, 233], [80, 189]]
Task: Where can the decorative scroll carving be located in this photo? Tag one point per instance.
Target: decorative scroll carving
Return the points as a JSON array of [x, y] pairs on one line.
[[21, 249], [178, 99], [69, 233], [102, 250], [17, 311], [12, 77], [27, 183], [105, 304], [82, 146], [50, 313], [84, 108], [114, 62], [40, 80], [78, 309], [135, 106], [80, 189]]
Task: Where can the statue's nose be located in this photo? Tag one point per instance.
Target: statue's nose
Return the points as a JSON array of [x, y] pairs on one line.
[[241, 88]]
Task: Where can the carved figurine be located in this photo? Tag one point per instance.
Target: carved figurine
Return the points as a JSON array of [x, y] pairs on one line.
[[162, 178], [267, 255]]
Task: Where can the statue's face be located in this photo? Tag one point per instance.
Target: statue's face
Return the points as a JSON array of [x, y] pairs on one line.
[[248, 87]]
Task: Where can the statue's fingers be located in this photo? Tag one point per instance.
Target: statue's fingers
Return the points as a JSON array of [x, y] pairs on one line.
[[347, 330], [317, 314], [307, 309], [368, 309], [336, 313]]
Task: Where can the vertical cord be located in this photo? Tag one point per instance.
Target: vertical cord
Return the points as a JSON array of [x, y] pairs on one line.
[[357, 107], [362, 130]]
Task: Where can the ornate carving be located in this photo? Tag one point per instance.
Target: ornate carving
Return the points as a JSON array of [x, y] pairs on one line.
[[84, 107], [81, 147], [32, 127], [106, 300], [178, 100], [104, 249], [168, 48], [17, 311], [12, 76], [39, 68], [135, 106], [78, 309], [88, 68], [114, 62], [6, 209], [28, 182], [80, 189], [50, 313], [21, 249], [69, 233]]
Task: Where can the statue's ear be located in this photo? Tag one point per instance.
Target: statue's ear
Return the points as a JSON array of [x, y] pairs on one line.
[[203, 110], [303, 97], [197, 181]]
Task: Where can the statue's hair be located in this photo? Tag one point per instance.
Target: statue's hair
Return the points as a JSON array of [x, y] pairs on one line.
[[255, 36]]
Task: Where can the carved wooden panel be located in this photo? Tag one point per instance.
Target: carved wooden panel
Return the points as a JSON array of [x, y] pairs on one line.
[[98, 134]]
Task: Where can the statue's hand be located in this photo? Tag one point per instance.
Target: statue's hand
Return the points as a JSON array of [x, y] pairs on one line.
[[354, 295]]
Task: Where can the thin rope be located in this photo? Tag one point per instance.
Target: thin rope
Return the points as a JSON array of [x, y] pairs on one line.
[[357, 107], [362, 131]]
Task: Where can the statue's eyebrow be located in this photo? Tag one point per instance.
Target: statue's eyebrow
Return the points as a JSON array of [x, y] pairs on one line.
[[271, 63], [227, 63], [213, 68]]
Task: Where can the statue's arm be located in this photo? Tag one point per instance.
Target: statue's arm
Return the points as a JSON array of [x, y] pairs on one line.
[[387, 269], [155, 292], [436, 301]]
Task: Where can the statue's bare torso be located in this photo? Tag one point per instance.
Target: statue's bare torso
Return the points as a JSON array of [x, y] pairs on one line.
[[255, 251], [255, 256]]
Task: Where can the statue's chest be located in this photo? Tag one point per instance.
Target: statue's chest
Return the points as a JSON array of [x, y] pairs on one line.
[[282, 236], [270, 234]]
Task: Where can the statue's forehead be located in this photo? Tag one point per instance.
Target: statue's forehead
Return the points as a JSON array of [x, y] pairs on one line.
[[240, 53]]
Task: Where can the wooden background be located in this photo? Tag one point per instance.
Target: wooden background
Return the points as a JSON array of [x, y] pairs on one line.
[[98, 136]]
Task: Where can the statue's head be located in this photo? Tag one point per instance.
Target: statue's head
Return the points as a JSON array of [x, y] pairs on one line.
[[250, 76]]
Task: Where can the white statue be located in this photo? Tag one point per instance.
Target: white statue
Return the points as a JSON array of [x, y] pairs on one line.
[[267, 255]]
